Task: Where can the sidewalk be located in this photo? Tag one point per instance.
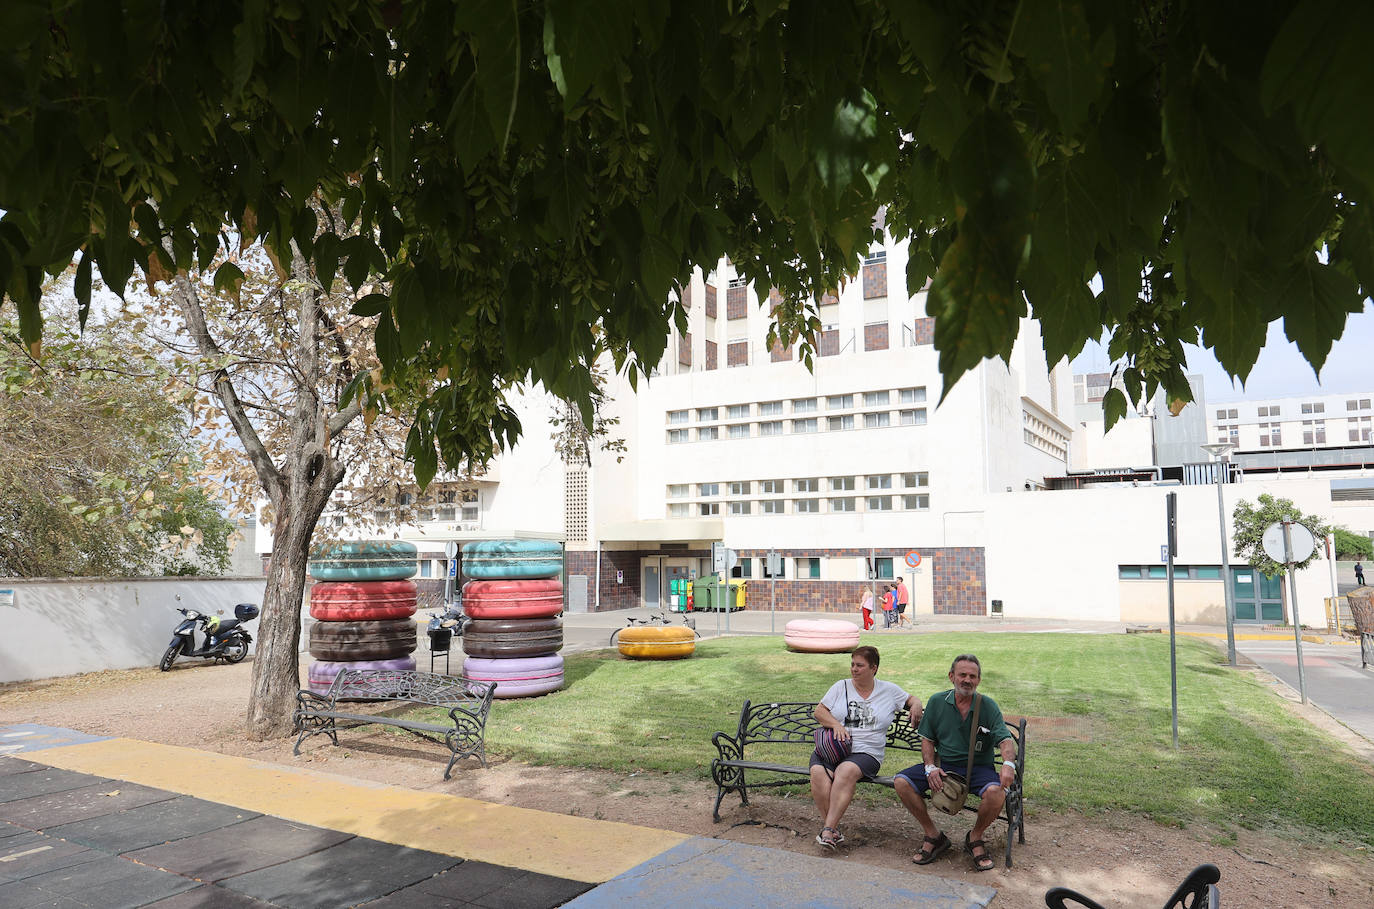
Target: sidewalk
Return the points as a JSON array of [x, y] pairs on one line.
[[113, 822]]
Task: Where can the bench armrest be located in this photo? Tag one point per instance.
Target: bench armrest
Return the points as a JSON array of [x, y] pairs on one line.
[[308, 702], [727, 747]]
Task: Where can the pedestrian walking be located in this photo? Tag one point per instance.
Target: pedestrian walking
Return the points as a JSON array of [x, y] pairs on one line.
[[889, 603], [903, 597], [866, 607], [1359, 574]]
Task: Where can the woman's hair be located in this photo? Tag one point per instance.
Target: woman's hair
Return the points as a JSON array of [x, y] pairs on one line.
[[869, 654]]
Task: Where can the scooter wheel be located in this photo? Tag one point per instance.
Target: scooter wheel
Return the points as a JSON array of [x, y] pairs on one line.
[[234, 651], [169, 657]]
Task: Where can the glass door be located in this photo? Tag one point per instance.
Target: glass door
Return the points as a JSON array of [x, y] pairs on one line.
[[1257, 598]]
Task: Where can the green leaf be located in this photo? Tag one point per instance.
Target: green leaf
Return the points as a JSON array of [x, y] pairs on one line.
[[370, 305], [327, 260], [499, 62], [977, 310], [1318, 309], [228, 279], [1113, 406], [1063, 56], [82, 289]]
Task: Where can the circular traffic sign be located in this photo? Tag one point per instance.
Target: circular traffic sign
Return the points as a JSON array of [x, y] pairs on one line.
[[913, 559], [1299, 537]]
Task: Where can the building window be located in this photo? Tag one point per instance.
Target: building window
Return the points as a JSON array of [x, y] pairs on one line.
[[740, 488], [771, 428], [426, 568], [882, 568], [677, 491], [707, 490], [916, 503], [739, 282], [1221, 414], [739, 431], [876, 398], [880, 503], [676, 417], [839, 402], [707, 434], [737, 412], [771, 506], [745, 569], [915, 417], [808, 568], [1270, 434], [782, 568], [1359, 428], [678, 510], [804, 425], [770, 409], [709, 508], [1313, 407], [835, 424], [918, 480], [810, 484], [843, 504], [804, 405], [707, 414], [676, 436], [1270, 411], [1361, 404], [912, 395], [841, 484], [740, 507], [880, 481], [806, 506], [873, 258], [1313, 432], [877, 420], [772, 487]]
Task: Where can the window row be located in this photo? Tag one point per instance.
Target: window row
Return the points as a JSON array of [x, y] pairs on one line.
[[836, 505], [809, 568], [1160, 572], [869, 399], [883, 419], [873, 482], [1269, 411]]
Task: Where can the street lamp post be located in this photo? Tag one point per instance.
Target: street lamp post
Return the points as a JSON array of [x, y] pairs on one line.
[[1219, 451]]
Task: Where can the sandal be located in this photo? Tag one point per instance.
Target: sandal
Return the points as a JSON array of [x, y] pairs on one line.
[[982, 862], [832, 840], [938, 846]]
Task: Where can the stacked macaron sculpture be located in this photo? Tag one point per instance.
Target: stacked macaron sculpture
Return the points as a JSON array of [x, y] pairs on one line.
[[513, 601], [363, 605]]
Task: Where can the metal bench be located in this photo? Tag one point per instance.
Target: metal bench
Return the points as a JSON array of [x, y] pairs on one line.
[[1198, 891], [795, 723], [468, 702]]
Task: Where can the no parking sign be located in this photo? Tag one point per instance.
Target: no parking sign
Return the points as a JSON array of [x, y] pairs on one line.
[[913, 559]]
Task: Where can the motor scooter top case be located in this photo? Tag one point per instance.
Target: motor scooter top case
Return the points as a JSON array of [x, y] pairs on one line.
[[364, 560]]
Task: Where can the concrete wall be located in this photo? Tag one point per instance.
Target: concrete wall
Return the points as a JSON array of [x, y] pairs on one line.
[[68, 626]]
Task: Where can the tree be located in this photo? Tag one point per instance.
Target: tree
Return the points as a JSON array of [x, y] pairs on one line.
[[528, 176], [1352, 546], [97, 470], [1250, 522]]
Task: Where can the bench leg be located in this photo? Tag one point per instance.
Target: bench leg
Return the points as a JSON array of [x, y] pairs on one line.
[[727, 779], [462, 745], [314, 725]]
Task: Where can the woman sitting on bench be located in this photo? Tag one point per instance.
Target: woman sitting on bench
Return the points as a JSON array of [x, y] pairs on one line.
[[857, 711]]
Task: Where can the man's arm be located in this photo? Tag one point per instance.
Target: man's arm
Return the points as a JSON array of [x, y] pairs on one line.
[[1008, 774]]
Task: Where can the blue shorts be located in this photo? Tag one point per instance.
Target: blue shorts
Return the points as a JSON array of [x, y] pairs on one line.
[[984, 776]]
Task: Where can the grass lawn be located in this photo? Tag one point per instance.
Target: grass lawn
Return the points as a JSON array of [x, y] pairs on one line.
[[1243, 760]]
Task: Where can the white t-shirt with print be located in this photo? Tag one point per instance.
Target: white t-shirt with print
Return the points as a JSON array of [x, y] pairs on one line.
[[872, 714]]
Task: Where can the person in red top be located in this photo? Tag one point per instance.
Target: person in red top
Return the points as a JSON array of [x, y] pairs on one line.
[[903, 597], [889, 607]]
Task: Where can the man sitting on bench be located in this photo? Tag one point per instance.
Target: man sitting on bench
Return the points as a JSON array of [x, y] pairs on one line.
[[944, 729]]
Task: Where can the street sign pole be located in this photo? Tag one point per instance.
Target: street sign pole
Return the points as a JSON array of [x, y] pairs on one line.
[[1171, 511], [1293, 600], [774, 563]]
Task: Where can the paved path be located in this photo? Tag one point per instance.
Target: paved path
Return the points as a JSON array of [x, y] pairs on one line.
[[1335, 681], [107, 823]]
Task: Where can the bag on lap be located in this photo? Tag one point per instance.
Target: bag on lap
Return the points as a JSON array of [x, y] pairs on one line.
[[951, 795], [829, 748]]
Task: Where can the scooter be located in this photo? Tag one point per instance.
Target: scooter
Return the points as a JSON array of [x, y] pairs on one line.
[[224, 639]]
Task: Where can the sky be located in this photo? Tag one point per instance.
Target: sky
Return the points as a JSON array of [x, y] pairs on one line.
[[1281, 370]]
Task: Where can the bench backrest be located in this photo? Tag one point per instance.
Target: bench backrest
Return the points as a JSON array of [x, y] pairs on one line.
[[796, 722], [411, 685]]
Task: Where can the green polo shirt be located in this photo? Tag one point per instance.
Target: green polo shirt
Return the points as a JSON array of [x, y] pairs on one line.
[[942, 724]]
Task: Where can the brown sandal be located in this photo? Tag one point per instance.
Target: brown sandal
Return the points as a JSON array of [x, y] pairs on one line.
[[938, 846], [982, 862]]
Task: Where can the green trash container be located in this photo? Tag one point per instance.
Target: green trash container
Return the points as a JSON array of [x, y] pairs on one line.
[[704, 593]]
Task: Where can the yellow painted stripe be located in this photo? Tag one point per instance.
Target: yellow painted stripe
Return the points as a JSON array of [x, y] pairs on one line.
[[1307, 638], [576, 848]]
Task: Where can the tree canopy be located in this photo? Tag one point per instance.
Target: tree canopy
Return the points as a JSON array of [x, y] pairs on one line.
[[1251, 521], [523, 185]]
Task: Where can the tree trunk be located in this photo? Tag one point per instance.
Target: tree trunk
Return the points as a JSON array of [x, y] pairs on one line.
[[276, 665]]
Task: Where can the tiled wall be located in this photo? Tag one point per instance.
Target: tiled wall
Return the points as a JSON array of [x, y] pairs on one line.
[[875, 336], [736, 302], [737, 353], [925, 331], [710, 301], [684, 349], [779, 352], [875, 281], [710, 354], [828, 343]]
